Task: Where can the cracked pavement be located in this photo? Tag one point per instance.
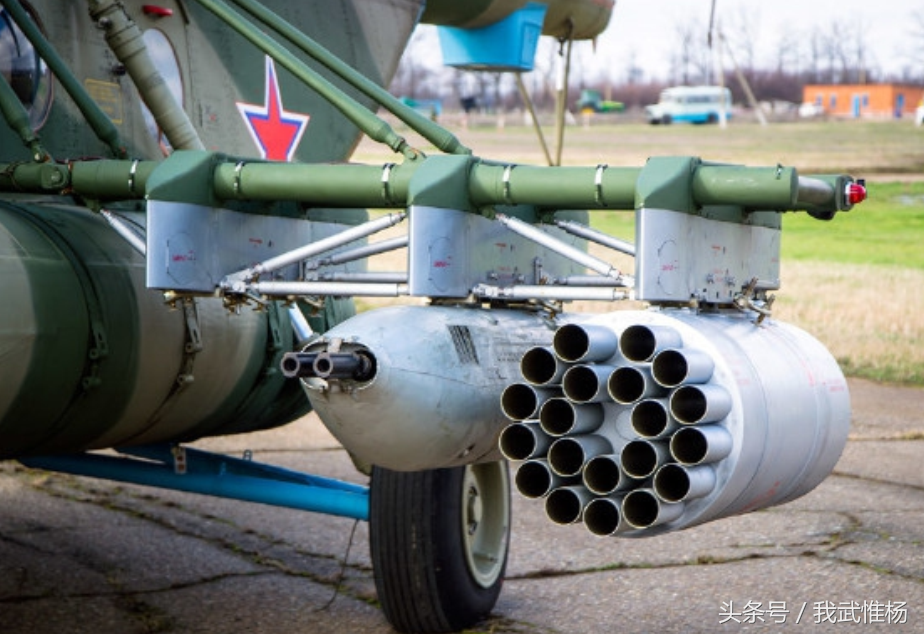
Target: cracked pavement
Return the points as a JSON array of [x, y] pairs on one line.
[[81, 555]]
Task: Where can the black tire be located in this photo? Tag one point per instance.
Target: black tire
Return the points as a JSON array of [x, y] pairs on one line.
[[428, 572], [667, 119]]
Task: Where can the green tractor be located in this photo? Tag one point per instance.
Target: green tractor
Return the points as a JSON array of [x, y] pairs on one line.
[[592, 101]]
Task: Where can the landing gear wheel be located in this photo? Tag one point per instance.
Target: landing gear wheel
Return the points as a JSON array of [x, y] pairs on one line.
[[438, 541]]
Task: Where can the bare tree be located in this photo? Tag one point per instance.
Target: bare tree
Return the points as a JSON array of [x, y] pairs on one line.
[[741, 30], [916, 55], [789, 54], [413, 77], [690, 61], [816, 47]]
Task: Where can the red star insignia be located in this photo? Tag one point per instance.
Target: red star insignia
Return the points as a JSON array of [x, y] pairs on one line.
[[275, 131]]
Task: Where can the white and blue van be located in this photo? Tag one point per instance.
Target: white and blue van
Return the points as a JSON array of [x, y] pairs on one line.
[[695, 104]]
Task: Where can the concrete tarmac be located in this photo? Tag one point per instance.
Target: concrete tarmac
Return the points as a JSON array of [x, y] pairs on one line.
[[79, 555]]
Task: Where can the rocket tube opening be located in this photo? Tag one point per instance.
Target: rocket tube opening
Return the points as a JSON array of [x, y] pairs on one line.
[[586, 383], [559, 416], [571, 342], [522, 441], [694, 404], [534, 479], [520, 401], [641, 458], [640, 508], [677, 483], [590, 342], [701, 444], [602, 516], [564, 505], [689, 446], [643, 509], [650, 419], [626, 385], [672, 367], [556, 416], [640, 343], [671, 483], [669, 368], [567, 456], [602, 475], [540, 366]]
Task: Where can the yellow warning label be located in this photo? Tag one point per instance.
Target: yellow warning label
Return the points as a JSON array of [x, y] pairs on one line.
[[108, 97]]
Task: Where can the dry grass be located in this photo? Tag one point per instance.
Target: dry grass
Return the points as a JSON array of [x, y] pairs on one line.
[[870, 317], [860, 147]]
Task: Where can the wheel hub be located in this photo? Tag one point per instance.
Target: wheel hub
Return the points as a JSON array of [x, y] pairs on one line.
[[485, 520], [474, 509]]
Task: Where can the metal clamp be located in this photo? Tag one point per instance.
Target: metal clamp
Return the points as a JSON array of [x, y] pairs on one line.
[[131, 176], [386, 183], [506, 182], [598, 185], [238, 168], [747, 299]]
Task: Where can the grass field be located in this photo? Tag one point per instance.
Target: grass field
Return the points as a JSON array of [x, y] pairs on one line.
[[854, 282]]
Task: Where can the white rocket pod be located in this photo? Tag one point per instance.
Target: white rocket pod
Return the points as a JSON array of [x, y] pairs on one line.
[[645, 420]]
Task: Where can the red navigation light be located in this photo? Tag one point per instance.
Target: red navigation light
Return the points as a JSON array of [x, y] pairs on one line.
[[155, 11], [855, 192]]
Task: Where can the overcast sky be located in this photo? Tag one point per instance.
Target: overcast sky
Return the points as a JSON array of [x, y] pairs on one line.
[[644, 29], [644, 33]]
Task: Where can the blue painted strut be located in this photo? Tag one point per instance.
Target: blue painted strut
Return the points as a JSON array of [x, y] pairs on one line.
[[197, 471]]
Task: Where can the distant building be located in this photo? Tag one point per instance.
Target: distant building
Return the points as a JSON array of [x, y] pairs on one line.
[[864, 100]]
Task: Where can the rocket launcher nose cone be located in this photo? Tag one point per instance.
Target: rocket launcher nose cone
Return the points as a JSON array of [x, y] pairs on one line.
[[424, 387]]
